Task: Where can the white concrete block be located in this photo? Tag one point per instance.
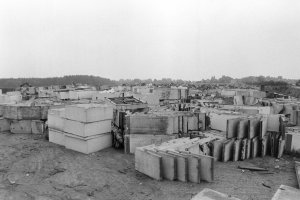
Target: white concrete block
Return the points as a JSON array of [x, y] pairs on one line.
[[56, 119], [37, 127], [89, 144], [20, 126], [89, 112], [57, 137], [4, 125], [87, 129]]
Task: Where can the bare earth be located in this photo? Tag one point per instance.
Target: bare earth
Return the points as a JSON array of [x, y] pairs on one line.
[[33, 168]]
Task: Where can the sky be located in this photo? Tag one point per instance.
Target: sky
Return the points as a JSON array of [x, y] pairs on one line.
[[126, 39]]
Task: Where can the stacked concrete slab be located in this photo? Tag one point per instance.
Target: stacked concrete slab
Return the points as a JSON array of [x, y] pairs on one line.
[[154, 128], [179, 159], [87, 127], [56, 118], [248, 136], [23, 118], [293, 139]]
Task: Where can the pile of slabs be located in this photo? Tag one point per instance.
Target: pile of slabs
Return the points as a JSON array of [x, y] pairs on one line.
[[19, 118], [179, 159], [250, 137], [83, 127]]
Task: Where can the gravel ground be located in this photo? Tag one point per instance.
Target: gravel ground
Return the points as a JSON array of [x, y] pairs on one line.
[[34, 169]]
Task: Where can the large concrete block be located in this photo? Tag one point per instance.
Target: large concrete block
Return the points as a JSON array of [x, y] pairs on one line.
[[56, 119], [286, 193], [20, 126], [87, 129], [89, 112], [29, 112], [4, 124], [148, 163], [219, 121], [57, 137], [140, 140], [273, 123], [88, 144], [10, 112], [37, 127]]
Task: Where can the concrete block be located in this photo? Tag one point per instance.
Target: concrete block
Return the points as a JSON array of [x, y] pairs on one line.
[[89, 112], [57, 137], [20, 126], [254, 127], [140, 140], [37, 127], [237, 146], [194, 165], [238, 100], [181, 166], [273, 123], [90, 144], [263, 127], [56, 119], [242, 129], [232, 128], [254, 147], [44, 111], [4, 125], [228, 150], [29, 112], [169, 167], [148, 163], [243, 154], [248, 149], [293, 142], [264, 145], [286, 193], [219, 121], [217, 149], [87, 129], [10, 112], [209, 194]]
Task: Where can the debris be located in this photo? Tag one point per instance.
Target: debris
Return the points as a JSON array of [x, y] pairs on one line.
[[276, 167], [266, 185], [252, 168]]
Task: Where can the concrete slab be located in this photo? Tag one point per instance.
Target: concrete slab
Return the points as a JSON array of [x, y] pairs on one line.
[[4, 124], [87, 129], [57, 137], [242, 129], [232, 128], [228, 150], [20, 126], [286, 193], [209, 194], [89, 112], [90, 144], [237, 146], [217, 149], [148, 163]]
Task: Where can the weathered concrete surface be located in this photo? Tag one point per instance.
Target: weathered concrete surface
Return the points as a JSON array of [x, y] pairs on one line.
[[32, 168]]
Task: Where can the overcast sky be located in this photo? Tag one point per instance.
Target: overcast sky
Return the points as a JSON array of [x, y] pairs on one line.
[[179, 39]]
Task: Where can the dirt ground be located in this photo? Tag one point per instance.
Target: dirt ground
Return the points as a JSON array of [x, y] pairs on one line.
[[34, 169]]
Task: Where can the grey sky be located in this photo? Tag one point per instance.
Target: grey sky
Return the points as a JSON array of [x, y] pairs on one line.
[[191, 39]]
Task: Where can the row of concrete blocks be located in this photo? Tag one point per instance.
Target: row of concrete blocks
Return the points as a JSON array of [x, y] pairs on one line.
[[234, 149], [172, 161], [22, 126], [20, 112], [84, 128]]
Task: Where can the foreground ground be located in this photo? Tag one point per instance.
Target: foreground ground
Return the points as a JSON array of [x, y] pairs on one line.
[[32, 168]]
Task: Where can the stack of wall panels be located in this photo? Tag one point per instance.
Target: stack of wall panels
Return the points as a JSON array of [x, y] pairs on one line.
[[179, 159], [87, 127]]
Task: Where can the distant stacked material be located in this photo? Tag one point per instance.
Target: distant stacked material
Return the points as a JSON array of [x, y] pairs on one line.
[[86, 127]]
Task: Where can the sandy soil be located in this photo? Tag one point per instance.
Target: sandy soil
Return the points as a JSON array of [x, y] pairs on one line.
[[31, 168]]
